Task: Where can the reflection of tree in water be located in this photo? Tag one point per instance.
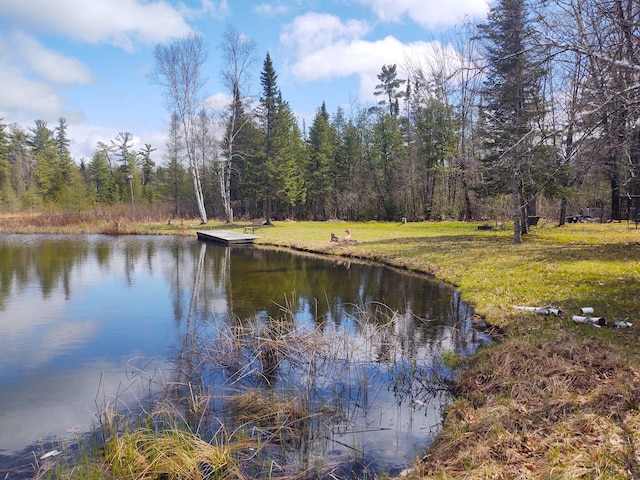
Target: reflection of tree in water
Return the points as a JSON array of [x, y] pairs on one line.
[[50, 260]]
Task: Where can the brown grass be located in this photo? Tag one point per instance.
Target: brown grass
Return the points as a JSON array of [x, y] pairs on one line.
[[108, 220], [558, 407]]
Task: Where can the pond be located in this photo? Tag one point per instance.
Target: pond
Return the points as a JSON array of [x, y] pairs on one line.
[[92, 322]]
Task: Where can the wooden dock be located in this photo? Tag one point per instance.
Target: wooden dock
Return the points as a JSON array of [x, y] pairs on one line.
[[226, 237]]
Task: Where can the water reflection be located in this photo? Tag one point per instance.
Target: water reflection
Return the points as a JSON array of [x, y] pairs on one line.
[[75, 311]]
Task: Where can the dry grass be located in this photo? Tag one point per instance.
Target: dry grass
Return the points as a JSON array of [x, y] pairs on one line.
[[553, 408], [174, 454], [108, 220]]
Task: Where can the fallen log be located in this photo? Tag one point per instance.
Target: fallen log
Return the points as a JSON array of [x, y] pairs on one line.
[[548, 310], [595, 321]]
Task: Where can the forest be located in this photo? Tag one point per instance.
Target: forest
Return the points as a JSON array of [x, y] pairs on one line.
[[533, 112]]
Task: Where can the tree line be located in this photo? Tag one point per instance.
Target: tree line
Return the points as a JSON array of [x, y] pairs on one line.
[[536, 106]]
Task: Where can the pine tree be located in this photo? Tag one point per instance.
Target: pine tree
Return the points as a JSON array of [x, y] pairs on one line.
[[148, 171], [62, 145], [268, 103], [512, 103], [100, 177], [48, 174], [321, 169], [173, 178], [389, 87], [286, 163], [270, 94]]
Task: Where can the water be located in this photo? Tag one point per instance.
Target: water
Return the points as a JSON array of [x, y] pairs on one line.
[[84, 318]]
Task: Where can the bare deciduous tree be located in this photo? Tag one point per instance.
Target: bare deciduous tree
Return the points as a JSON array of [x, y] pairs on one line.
[[604, 40], [238, 55], [178, 69]]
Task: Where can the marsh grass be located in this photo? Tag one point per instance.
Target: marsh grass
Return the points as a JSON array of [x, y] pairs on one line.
[[248, 399], [172, 454], [108, 220]]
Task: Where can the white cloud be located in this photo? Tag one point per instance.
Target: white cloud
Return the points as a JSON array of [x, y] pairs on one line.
[[311, 32], [326, 48], [22, 98], [219, 101], [207, 8], [271, 10], [28, 74], [84, 138], [46, 63], [122, 23], [427, 13]]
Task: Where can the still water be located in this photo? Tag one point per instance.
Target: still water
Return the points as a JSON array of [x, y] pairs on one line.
[[82, 316]]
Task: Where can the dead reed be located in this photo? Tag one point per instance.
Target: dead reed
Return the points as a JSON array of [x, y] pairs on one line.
[[245, 396], [103, 219]]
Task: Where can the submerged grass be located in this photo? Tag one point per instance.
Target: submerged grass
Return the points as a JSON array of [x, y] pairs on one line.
[[261, 428], [548, 399]]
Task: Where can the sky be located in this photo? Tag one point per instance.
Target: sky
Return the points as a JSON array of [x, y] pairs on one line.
[[89, 60]]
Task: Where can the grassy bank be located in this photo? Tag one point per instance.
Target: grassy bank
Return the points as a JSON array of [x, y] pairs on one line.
[[550, 398]]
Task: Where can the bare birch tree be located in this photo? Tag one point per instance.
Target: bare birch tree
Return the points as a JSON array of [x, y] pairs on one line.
[[178, 69], [604, 40], [238, 55]]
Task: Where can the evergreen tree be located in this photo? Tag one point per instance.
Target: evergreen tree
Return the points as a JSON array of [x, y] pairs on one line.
[[270, 94], [287, 159], [321, 169], [62, 146], [245, 181], [435, 128], [148, 171], [47, 173], [268, 104], [21, 163], [512, 103], [174, 177], [99, 173], [389, 87], [387, 151], [126, 177]]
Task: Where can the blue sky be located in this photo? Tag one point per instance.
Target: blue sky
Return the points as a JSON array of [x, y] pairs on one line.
[[88, 60]]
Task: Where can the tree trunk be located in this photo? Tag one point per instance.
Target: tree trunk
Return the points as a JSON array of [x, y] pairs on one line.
[[197, 186], [515, 192], [563, 212]]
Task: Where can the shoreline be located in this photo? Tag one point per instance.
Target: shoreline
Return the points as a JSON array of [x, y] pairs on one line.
[[548, 398]]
